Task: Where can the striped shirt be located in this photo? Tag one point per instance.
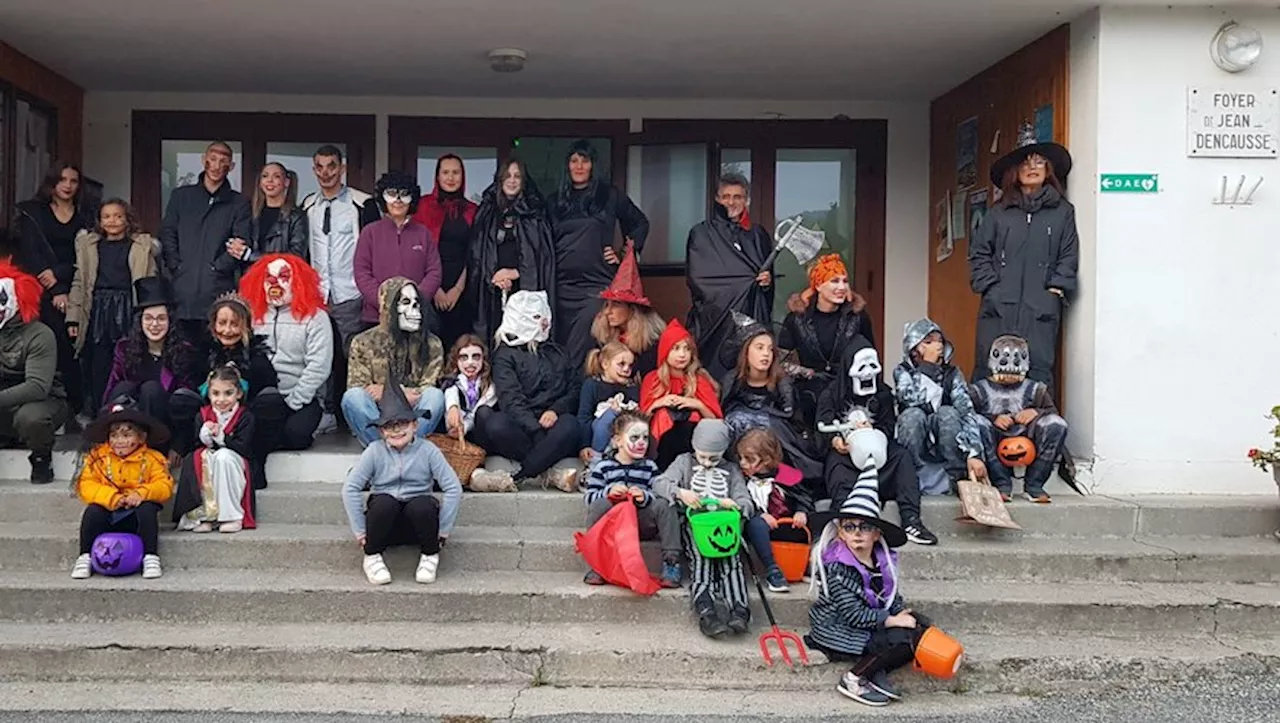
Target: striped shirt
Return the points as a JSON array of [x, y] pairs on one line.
[[840, 619], [608, 472]]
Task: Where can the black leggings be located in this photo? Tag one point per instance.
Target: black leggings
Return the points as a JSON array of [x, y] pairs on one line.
[[388, 521], [888, 649], [675, 442], [143, 523], [277, 427], [499, 434], [68, 364]]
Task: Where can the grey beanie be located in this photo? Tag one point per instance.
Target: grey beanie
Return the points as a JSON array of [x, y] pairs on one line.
[[711, 436]]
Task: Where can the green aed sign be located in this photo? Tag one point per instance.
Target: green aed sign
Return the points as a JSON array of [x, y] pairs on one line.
[[1130, 183]]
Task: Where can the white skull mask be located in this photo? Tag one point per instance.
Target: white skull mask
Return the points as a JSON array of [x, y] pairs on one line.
[[408, 309], [279, 283], [865, 372], [8, 301], [525, 319]]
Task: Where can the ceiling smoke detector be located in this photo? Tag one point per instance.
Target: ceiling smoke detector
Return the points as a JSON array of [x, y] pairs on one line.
[[507, 60]]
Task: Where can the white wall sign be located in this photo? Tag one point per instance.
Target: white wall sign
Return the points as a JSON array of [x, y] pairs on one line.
[[1233, 123]]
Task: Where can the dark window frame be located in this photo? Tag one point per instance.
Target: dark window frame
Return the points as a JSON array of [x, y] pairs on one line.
[[9, 96]]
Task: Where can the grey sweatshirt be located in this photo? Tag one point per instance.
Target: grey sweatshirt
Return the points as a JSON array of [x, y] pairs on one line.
[[301, 352], [404, 474], [680, 476]]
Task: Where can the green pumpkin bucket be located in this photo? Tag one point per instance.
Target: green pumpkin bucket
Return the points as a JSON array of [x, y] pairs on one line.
[[715, 532]]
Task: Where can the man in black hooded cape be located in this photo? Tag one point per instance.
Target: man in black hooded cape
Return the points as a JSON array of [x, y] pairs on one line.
[[724, 261]]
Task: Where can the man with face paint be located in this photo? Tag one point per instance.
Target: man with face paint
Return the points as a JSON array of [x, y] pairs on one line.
[[862, 386], [828, 317], [32, 400], [288, 312], [400, 343]]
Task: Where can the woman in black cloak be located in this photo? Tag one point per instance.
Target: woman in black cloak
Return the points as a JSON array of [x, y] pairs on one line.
[[583, 216]]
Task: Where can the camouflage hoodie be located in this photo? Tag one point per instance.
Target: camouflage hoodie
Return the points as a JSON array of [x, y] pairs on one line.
[[933, 386], [418, 358]]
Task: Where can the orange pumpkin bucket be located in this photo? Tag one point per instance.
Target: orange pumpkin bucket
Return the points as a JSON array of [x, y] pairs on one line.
[[938, 655], [792, 557]]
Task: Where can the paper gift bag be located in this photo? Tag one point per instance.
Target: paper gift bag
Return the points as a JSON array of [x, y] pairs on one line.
[[980, 503]]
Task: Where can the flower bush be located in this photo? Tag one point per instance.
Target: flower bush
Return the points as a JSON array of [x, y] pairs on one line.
[[1264, 459]]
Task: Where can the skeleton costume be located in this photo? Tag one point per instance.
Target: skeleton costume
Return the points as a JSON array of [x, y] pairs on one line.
[[720, 582], [1009, 391], [401, 345], [936, 418], [32, 400], [862, 388], [533, 376]]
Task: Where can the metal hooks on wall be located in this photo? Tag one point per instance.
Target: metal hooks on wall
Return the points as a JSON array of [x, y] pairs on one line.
[[1234, 198]]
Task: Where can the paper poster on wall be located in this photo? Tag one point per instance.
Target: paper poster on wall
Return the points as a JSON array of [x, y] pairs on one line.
[[977, 210], [967, 153], [943, 243], [959, 206], [1044, 123]]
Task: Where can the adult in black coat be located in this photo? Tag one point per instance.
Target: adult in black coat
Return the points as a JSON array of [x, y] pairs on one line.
[[199, 222], [583, 216], [725, 271], [511, 246], [859, 383], [1023, 258], [276, 224]]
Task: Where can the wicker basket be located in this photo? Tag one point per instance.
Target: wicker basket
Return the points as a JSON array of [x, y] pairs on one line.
[[463, 456]]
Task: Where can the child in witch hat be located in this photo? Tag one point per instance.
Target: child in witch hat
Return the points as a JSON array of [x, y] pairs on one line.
[[123, 483], [859, 615], [400, 471]]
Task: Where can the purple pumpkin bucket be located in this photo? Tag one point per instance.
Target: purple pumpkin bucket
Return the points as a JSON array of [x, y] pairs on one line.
[[116, 554]]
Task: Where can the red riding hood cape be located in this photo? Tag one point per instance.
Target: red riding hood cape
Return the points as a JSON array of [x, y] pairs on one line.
[[435, 207], [652, 389]]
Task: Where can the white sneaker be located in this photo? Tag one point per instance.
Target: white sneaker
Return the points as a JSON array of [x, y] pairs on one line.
[[82, 569], [427, 565], [151, 567], [376, 570], [483, 480], [230, 527], [328, 424]]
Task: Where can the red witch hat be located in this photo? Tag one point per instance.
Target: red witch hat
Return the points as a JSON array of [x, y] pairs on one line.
[[626, 286]]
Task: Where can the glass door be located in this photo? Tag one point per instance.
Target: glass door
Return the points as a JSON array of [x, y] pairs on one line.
[[479, 164], [545, 156], [816, 185]]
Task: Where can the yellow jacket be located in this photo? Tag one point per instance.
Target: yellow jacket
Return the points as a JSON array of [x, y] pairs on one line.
[[106, 478]]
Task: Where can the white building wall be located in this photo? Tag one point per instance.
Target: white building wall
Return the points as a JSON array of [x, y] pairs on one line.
[[107, 148], [1186, 344]]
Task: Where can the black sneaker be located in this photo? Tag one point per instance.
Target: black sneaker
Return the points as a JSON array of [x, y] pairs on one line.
[[709, 621], [740, 619], [776, 580], [593, 578], [880, 681], [41, 469], [919, 534], [861, 690]]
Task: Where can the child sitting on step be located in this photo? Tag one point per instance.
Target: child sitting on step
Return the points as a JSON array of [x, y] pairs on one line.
[[468, 386], [859, 615], [777, 494], [608, 391], [625, 475], [213, 488], [123, 484], [718, 589], [400, 471]]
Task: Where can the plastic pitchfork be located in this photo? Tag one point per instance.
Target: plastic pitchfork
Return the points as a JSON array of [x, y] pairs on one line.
[[781, 638]]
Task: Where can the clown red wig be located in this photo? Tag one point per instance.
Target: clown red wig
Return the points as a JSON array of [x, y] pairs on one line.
[[306, 287], [27, 290]]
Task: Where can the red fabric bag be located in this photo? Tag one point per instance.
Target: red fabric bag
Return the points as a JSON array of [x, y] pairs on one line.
[[612, 548]]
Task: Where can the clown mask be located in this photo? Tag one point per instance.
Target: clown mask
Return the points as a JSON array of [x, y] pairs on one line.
[[865, 372], [526, 319], [408, 309], [279, 283], [634, 440], [8, 301], [470, 361]]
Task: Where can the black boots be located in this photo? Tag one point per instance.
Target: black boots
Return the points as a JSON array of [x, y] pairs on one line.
[[41, 468], [709, 621]]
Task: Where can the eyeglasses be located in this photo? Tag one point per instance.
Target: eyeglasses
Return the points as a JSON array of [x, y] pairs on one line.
[[392, 195], [850, 527], [149, 320]]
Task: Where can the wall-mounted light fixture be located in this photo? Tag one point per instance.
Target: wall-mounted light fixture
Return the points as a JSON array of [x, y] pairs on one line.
[[1235, 47]]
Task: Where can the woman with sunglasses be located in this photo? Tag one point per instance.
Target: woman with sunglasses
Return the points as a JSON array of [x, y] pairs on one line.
[[397, 245], [1024, 256]]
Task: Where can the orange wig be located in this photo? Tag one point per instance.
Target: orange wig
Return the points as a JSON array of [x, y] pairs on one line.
[[306, 287], [823, 270], [27, 289]]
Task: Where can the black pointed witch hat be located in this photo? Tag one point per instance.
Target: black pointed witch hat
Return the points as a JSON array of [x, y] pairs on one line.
[[394, 405]]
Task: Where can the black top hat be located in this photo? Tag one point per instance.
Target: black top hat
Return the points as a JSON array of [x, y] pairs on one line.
[[125, 409], [1029, 145], [394, 405], [152, 291]]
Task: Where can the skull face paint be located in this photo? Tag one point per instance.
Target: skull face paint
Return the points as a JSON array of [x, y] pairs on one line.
[[408, 310], [865, 372], [279, 283], [707, 459], [635, 440], [470, 361], [1010, 359], [8, 301]]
